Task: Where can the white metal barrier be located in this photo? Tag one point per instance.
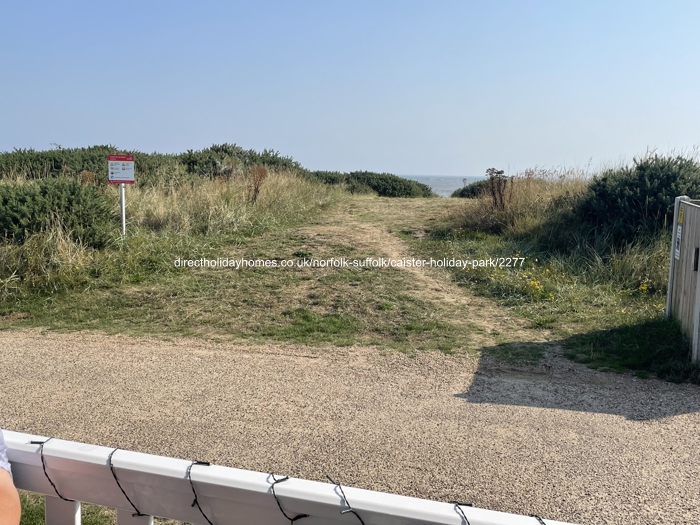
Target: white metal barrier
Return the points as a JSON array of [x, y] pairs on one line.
[[159, 486]]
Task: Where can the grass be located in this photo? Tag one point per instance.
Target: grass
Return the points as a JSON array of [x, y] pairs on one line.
[[306, 326], [518, 353], [33, 512], [260, 305], [165, 221], [136, 289], [604, 301]]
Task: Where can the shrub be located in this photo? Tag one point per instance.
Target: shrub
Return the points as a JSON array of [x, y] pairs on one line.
[[255, 179], [219, 160], [534, 204], [383, 184], [38, 206], [388, 185], [472, 190], [329, 177], [635, 200], [499, 188], [230, 160], [358, 188]]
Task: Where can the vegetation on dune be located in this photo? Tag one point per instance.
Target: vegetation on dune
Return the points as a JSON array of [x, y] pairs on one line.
[[638, 200], [596, 258], [38, 206], [197, 205], [472, 190], [564, 210], [595, 251], [89, 164], [218, 161], [166, 220], [59, 223], [383, 184]]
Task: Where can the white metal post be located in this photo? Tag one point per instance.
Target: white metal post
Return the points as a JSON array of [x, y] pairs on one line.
[[123, 196], [59, 512]]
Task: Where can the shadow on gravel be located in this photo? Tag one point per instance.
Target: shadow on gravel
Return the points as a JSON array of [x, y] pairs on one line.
[[539, 375]]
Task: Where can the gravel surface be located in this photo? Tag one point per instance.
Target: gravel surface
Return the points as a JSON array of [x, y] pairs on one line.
[[559, 440]]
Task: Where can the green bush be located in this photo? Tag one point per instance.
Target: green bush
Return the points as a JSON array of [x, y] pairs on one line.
[[225, 160], [630, 201], [217, 160], [32, 207], [388, 185], [329, 177], [383, 184], [472, 190], [70, 162]]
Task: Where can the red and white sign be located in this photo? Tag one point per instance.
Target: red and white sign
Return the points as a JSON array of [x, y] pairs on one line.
[[120, 169]]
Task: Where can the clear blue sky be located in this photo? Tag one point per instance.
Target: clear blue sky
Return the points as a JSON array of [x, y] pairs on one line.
[[433, 87]]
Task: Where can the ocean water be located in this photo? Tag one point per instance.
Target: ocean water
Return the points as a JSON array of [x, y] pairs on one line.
[[442, 185]]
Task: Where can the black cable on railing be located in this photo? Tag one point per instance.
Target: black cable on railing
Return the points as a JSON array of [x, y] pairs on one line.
[[349, 509], [458, 506], [114, 475], [189, 477], [275, 481], [43, 464]]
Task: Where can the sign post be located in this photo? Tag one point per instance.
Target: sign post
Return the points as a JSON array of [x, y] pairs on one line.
[[121, 171]]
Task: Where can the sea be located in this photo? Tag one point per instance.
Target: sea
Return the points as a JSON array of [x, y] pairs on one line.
[[443, 185]]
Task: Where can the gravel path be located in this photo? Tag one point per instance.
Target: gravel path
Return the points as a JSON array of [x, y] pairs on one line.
[[560, 441]]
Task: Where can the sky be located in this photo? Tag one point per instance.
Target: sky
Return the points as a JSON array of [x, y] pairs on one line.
[[423, 88]]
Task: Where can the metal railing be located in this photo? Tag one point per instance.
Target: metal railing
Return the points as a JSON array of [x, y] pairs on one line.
[[141, 486]]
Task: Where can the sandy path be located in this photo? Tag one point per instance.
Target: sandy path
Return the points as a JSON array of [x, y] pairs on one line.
[[370, 224], [560, 441]]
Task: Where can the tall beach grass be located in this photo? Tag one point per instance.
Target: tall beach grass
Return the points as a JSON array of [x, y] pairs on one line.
[[191, 219]]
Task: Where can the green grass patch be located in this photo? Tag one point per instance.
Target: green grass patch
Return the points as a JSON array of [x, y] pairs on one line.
[[314, 306], [33, 511], [655, 346], [306, 327], [517, 353], [603, 321]]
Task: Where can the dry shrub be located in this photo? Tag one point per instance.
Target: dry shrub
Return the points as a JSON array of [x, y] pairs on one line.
[[87, 177], [516, 205], [255, 180], [500, 188]]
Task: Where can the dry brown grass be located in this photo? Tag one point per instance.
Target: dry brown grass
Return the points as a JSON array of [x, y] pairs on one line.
[[164, 221], [87, 177], [225, 205], [256, 177], [526, 199]]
